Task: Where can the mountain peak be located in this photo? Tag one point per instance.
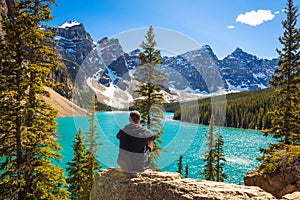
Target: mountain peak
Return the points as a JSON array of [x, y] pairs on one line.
[[238, 50], [70, 24], [239, 53], [206, 47]]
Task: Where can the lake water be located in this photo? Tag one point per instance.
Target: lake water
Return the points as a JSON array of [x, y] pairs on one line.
[[241, 147]]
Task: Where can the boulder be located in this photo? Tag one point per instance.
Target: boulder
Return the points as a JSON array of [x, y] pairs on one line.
[[278, 184], [293, 196], [115, 184]]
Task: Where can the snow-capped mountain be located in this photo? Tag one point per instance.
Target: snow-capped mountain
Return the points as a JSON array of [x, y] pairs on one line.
[[73, 44], [195, 71], [243, 71], [110, 71]]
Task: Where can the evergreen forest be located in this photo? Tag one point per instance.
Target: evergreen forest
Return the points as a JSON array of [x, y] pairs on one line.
[[248, 110]]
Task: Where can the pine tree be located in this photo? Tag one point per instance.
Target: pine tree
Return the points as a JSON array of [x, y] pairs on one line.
[[83, 166], [92, 135], [286, 79], [28, 146], [220, 157], [78, 170], [186, 171], [150, 88], [209, 170], [179, 164]]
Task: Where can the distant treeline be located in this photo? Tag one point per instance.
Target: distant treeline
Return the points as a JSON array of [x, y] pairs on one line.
[[241, 110]]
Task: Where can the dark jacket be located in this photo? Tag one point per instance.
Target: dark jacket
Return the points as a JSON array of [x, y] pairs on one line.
[[134, 153]]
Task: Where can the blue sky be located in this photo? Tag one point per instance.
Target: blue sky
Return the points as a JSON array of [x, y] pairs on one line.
[[252, 25]]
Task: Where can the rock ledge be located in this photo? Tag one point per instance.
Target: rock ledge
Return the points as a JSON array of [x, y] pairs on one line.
[[115, 184]]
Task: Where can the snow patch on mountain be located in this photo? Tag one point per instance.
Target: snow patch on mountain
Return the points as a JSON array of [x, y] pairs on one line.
[[69, 24], [57, 38], [111, 95], [259, 76]]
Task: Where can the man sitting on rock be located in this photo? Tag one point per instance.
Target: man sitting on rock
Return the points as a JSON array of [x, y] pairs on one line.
[[135, 145]]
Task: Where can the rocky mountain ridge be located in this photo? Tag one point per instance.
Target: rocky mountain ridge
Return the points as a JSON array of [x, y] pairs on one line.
[[109, 70], [243, 71]]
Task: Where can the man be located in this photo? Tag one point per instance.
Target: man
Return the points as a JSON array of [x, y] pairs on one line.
[[135, 145]]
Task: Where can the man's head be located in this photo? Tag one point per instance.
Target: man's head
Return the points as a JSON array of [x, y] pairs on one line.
[[135, 117]]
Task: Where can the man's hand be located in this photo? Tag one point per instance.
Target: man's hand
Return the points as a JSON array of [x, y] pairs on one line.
[[150, 144]]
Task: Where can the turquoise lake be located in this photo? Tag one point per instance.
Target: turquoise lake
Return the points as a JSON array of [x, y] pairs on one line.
[[241, 147]]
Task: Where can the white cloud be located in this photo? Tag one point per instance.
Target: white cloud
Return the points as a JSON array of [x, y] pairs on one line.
[[277, 12], [230, 26], [254, 18]]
